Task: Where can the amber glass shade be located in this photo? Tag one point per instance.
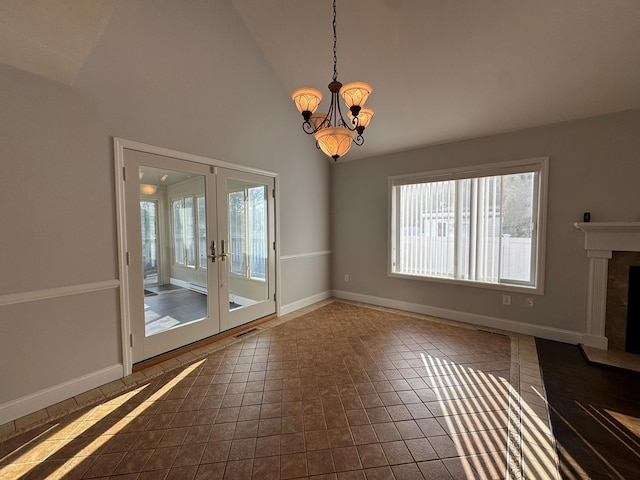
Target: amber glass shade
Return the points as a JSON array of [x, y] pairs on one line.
[[317, 119], [335, 141], [364, 117], [355, 93], [307, 99]]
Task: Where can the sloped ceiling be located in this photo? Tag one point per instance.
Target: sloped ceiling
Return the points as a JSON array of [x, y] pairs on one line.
[[441, 70], [450, 70], [52, 38]]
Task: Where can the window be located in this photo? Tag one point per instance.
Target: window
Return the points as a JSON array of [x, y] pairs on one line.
[[149, 231], [189, 228], [202, 231], [483, 224], [248, 231]]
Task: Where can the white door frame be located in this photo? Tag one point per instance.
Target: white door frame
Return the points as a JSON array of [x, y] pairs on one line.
[[119, 145]]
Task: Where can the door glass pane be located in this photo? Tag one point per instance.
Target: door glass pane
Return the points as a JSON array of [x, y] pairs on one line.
[[189, 231], [149, 224], [174, 241], [178, 231], [248, 241], [202, 232], [257, 233], [237, 232]]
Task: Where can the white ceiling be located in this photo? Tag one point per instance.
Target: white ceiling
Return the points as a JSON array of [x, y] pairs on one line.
[[52, 38], [445, 70], [442, 70]]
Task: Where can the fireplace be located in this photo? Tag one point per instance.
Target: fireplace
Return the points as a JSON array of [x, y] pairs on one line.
[[632, 341], [602, 239], [623, 302]]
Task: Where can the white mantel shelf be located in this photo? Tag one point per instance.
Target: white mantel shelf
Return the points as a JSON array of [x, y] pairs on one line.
[[600, 240], [610, 236]]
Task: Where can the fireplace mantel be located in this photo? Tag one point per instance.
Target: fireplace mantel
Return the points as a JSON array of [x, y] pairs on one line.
[[600, 240], [611, 236]]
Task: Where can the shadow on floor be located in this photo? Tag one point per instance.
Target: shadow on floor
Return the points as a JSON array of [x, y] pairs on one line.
[[595, 414]]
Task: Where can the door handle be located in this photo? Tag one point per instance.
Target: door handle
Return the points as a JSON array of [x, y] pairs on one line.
[[213, 252], [224, 254]]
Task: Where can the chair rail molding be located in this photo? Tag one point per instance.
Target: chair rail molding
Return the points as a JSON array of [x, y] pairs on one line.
[[46, 293]]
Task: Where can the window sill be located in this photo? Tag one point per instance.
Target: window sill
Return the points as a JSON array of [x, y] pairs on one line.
[[503, 287]]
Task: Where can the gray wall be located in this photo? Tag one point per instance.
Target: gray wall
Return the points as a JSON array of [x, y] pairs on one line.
[[183, 75], [593, 166], [58, 230]]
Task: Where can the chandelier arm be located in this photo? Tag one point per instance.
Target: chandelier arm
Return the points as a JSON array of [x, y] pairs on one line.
[[358, 140], [308, 128], [326, 122], [343, 122]]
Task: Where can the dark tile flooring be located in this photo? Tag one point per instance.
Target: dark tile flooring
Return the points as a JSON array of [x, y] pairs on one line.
[[595, 414], [172, 307]]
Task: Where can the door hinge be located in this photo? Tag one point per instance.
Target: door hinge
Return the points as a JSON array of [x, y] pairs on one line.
[[274, 297], [124, 173], [128, 258], [131, 341], [274, 245], [212, 169], [273, 193]]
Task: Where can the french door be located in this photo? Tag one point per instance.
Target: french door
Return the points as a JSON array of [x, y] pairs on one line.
[[200, 244]]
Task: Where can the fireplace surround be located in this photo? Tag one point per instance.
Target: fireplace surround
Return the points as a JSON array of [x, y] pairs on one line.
[[601, 239]]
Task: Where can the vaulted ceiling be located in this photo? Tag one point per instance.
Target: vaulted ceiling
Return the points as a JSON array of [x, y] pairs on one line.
[[441, 70]]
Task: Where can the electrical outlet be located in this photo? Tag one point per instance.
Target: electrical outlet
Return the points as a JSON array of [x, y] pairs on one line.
[[506, 299], [529, 302], [346, 278]]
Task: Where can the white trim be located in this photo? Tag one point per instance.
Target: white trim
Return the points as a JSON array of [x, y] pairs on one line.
[[611, 236], [178, 283], [597, 297], [305, 302], [550, 333], [50, 396], [600, 240], [276, 208], [56, 292], [167, 152], [121, 224], [119, 144], [467, 171], [537, 164], [503, 287], [305, 255]]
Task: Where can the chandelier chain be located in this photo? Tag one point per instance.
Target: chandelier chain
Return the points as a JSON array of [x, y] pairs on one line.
[[335, 42]]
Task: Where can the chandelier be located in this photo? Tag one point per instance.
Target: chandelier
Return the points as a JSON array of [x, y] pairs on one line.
[[334, 135]]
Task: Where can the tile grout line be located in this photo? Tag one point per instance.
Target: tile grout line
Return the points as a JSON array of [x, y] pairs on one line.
[[536, 425], [105, 392], [514, 428], [516, 448]]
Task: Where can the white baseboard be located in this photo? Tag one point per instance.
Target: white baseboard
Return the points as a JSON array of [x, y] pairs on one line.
[[178, 283], [50, 396], [549, 333], [305, 302]]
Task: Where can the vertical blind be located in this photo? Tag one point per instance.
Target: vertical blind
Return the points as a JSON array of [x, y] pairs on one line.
[[481, 228]]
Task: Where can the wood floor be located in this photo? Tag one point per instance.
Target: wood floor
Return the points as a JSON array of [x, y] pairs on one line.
[[595, 414]]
